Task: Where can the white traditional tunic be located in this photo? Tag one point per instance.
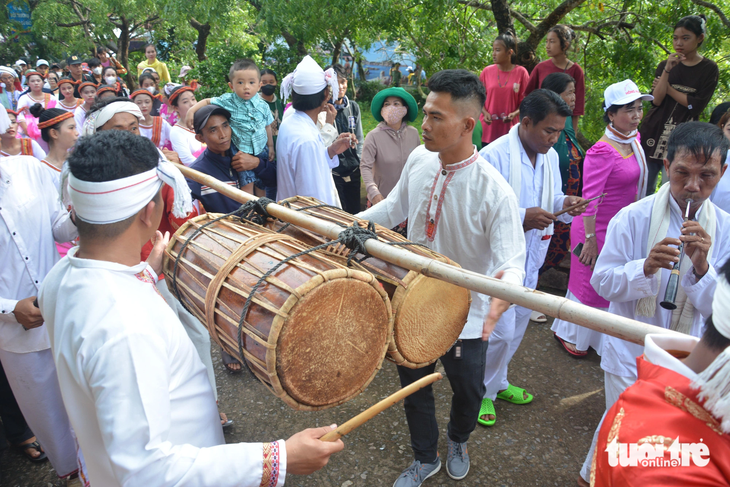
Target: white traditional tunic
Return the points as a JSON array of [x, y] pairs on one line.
[[304, 168], [80, 117], [31, 219], [464, 211], [148, 131], [619, 277], [498, 154], [510, 329], [38, 151], [137, 393], [183, 141]]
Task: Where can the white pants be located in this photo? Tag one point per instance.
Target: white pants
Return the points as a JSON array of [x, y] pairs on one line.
[[580, 336], [197, 332], [32, 377], [614, 385], [503, 343]]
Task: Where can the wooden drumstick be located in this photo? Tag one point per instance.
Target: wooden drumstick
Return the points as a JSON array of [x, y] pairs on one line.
[[571, 208], [378, 408]]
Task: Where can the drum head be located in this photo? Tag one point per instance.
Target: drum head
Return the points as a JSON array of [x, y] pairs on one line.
[[333, 342], [426, 322]]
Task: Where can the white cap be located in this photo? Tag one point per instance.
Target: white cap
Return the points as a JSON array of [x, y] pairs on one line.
[[622, 93], [20, 62], [309, 78], [41, 62], [184, 71]]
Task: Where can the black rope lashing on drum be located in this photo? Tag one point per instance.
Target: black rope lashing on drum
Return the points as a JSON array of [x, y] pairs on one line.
[[353, 237], [255, 211]]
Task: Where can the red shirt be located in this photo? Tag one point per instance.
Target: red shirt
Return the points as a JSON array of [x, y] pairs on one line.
[[658, 408], [548, 67], [168, 223]]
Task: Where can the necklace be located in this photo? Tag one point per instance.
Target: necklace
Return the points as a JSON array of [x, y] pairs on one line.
[[499, 84]]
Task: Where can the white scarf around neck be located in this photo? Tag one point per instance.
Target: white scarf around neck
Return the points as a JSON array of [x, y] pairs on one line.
[[683, 315], [515, 174], [632, 139]]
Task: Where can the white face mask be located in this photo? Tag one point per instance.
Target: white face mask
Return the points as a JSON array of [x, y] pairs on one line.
[[110, 80], [151, 89], [59, 73], [97, 70]]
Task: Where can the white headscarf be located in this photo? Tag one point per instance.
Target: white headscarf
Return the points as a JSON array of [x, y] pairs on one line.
[[309, 78], [4, 120], [99, 118]]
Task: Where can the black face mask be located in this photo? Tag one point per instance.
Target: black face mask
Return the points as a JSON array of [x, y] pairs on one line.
[[268, 90]]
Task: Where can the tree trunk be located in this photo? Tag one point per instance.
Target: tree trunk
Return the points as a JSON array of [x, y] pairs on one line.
[[123, 53], [203, 33], [295, 44], [551, 21], [500, 9]]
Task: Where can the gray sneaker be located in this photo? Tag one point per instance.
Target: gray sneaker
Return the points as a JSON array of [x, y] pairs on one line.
[[414, 475], [457, 461]]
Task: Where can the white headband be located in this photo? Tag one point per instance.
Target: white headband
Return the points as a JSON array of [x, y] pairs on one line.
[[714, 381], [113, 201], [309, 78], [10, 71], [99, 118]]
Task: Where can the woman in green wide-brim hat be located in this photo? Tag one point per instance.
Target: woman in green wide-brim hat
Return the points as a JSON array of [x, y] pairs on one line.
[[387, 146]]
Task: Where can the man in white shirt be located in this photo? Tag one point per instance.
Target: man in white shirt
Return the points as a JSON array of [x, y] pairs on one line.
[[526, 159], [634, 266], [304, 164], [32, 219], [458, 205], [138, 395]]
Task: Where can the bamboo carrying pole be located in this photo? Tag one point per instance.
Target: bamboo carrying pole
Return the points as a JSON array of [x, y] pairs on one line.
[[595, 319], [378, 408]]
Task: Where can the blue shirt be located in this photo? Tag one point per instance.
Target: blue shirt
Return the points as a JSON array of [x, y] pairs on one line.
[[249, 119], [220, 168]]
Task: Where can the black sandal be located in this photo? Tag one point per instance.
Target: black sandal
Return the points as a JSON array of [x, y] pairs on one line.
[[33, 446]]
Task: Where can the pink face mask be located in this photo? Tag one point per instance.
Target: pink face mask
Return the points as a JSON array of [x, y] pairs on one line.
[[393, 114]]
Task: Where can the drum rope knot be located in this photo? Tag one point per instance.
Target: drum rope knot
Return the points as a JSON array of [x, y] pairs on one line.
[[255, 211]]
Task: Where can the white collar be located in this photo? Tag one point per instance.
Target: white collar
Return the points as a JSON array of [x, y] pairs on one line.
[[655, 351], [105, 265]]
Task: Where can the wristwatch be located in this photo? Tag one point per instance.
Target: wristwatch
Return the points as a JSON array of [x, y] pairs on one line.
[[590, 235]]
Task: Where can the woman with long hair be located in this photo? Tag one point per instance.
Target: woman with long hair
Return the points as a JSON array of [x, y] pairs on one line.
[[66, 99], [35, 81], [505, 83], [615, 165], [558, 43], [110, 78], [150, 53], [682, 88], [154, 128]]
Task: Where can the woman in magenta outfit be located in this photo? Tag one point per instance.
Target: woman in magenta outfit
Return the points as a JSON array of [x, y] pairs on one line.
[[505, 83], [615, 165]]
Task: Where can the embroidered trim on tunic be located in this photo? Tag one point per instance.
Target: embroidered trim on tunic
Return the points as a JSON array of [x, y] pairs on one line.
[[676, 398], [270, 476], [448, 171]]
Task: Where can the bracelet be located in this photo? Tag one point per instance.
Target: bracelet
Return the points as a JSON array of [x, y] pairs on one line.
[[665, 70], [590, 235], [697, 276]]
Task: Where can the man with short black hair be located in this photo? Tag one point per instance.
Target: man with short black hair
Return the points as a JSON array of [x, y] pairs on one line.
[[347, 174], [76, 73], [304, 164], [526, 159], [458, 205], [139, 398]]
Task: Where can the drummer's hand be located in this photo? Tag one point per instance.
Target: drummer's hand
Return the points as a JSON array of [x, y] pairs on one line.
[[158, 251], [496, 308], [306, 453]]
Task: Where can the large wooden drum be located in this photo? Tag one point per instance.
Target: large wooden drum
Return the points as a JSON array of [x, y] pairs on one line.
[[315, 333], [429, 314]]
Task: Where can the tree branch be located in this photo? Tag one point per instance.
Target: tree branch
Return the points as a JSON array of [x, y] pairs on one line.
[[552, 20], [715, 9]]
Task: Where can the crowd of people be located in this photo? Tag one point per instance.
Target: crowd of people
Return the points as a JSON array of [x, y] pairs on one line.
[[89, 197]]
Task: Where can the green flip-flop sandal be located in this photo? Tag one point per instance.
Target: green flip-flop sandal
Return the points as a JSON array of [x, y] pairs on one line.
[[515, 395], [487, 408]]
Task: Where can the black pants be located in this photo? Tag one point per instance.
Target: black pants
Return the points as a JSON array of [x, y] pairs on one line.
[[466, 376], [16, 429], [349, 191]]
